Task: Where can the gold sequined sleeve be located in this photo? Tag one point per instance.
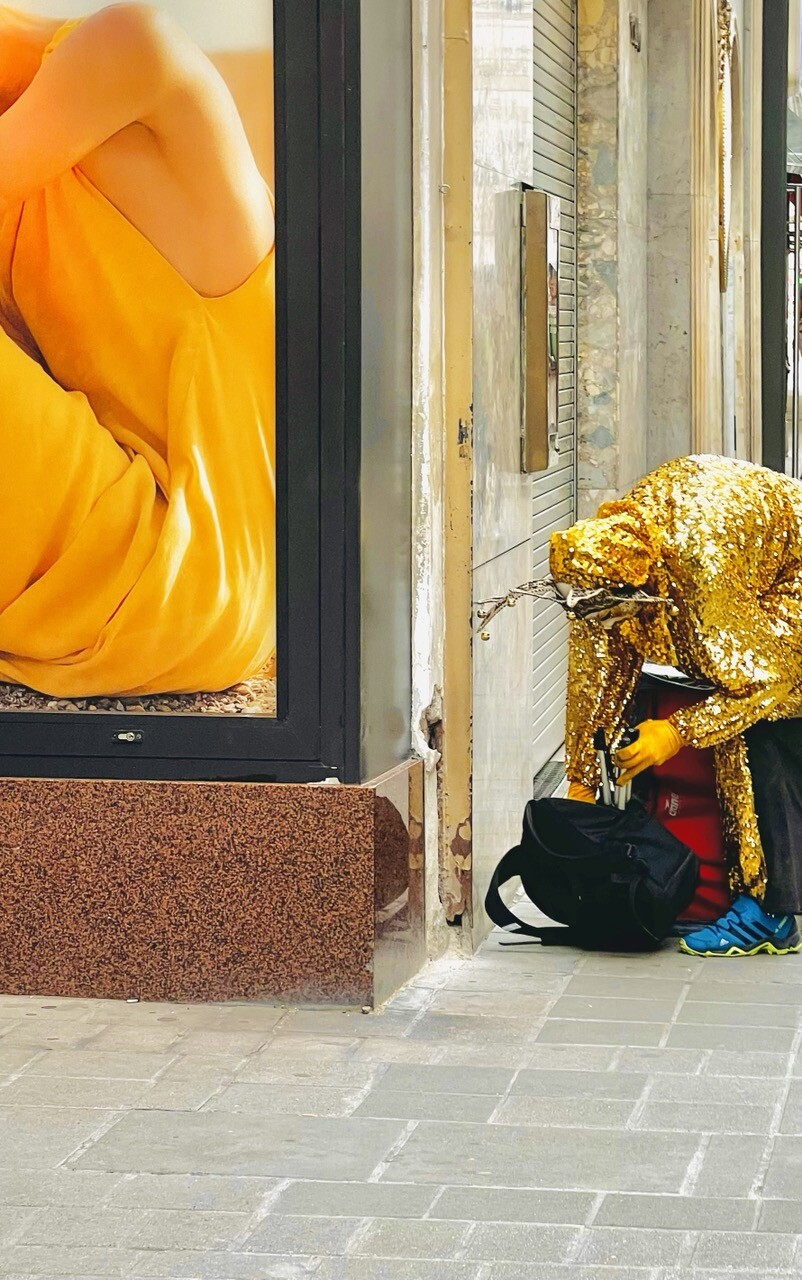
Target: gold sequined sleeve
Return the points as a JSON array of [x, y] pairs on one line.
[[603, 671], [754, 655]]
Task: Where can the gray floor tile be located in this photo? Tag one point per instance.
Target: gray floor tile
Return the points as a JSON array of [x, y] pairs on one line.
[[784, 1176], [614, 1008], [55, 1187], [665, 990], [315, 1236], [517, 1271], [61, 1262], [412, 1078], [676, 1213], [612, 1085], [76, 1227], [618, 1246], [711, 1013], [202, 1192], [730, 1273], [792, 1115], [357, 1200], [713, 1090], [347, 1022], [13, 1060], [705, 1117], [303, 1072], [400, 1238], [750, 993], [428, 1106], [521, 1242], [262, 1099], [14, 1222], [661, 1061], [516, 1004], [383, 1050], [730, 1166], [569, 1057], [43, 1139], [752, 1065], [615, 1033], [396, 1269], [452, 1028], [103, 1095], [548, 1113], [744, 1250], [497, 1204], [171, 1264], [741, 1039], [572, 1160], [781, 1215], [188, 1229], [234, 1043], [225, 1143], [94, 1064]]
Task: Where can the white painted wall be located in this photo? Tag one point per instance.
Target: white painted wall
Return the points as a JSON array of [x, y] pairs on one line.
[[428, 588]]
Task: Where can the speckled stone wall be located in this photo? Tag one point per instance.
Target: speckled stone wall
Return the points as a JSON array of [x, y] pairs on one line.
[[611, 250], [196, 891], [597, 251]]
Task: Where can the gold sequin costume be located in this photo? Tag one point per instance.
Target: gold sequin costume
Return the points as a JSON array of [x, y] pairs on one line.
[[723, 540]]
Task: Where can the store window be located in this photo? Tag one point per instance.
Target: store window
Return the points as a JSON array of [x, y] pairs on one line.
[[174, 479]]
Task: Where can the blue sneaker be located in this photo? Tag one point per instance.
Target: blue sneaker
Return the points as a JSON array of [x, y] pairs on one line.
[[745, 930]]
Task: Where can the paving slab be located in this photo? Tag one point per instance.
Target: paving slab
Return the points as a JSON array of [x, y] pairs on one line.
[[226, 1143], [565, 1159], [358, 1199], [522, 1116], [176, 1264], [677, 1213], [42, 1138]]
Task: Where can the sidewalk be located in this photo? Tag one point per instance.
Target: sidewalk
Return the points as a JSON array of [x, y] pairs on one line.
[[527, 1115]]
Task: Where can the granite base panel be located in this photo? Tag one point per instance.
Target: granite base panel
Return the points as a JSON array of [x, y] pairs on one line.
[[211, 891]]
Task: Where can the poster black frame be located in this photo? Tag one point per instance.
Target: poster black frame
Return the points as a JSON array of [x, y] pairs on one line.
[[315, 734]]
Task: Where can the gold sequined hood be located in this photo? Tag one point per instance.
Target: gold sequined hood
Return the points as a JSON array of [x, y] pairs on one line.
[[620, 546]]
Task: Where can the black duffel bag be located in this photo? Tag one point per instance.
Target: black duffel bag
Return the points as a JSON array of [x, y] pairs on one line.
[[614, 877]]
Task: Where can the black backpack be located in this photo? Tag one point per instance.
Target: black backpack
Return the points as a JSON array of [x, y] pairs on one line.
[[615, 877]]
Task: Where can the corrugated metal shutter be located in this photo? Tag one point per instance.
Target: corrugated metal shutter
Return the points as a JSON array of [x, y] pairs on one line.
[[554, 503]]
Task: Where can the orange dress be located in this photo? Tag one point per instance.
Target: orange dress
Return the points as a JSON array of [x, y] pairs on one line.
[[137, 451]]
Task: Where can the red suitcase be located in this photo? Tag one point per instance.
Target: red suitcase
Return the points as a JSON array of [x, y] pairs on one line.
[[681, 794]]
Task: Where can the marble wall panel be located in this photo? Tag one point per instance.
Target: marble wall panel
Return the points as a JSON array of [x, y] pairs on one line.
[[632, 356], [669, 97], [669, 328], [633, 120], [597, 246]]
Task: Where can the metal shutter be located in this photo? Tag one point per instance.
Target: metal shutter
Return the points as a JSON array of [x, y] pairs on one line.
[[554, 497]]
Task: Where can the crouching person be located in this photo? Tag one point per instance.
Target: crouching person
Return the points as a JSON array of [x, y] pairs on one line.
[[721, 540]]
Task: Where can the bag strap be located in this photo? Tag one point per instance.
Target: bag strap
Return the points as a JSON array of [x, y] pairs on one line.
[[508, 868]]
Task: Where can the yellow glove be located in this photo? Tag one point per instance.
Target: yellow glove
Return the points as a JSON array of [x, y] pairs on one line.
[[657, 741], [578, 791]]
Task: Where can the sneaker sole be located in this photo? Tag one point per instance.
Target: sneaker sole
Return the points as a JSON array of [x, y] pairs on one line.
[[767, 948]]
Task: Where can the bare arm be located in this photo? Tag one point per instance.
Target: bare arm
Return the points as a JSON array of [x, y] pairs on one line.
[[114, 69]]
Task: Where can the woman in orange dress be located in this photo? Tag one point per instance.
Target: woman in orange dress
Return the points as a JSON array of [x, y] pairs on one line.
[[137, 334]]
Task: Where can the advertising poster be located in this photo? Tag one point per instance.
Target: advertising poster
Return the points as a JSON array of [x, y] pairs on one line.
[[137, 357]]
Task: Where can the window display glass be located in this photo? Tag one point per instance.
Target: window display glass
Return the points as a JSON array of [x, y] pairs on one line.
[[137, 358]]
